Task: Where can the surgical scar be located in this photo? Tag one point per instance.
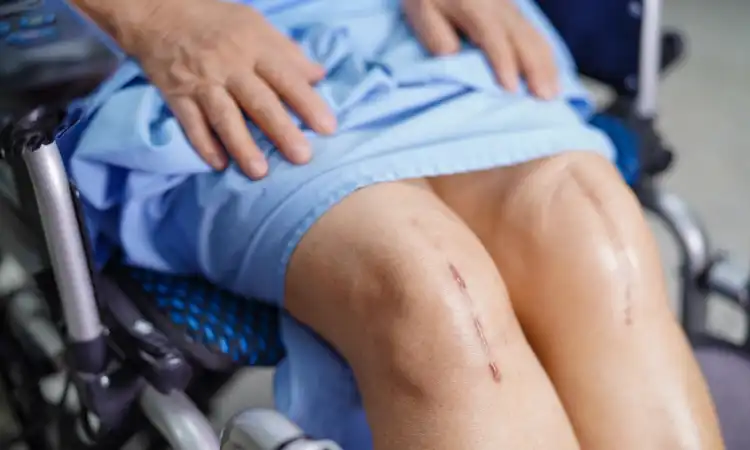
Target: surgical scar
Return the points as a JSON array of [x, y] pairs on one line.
[[626, 267], [494, 370]]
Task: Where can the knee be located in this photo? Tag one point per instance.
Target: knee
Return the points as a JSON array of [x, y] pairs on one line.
[[575, 213], [577, 195], [430, 321], [545, 191], [378, 284]]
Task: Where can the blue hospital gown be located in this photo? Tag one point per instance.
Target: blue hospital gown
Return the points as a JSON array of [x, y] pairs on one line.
[[401, 113]]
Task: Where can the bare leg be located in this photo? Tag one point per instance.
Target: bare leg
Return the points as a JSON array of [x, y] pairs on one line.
[[408, 295], [586, 284]]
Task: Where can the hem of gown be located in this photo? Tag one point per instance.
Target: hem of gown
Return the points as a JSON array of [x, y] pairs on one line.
[[372, 171]]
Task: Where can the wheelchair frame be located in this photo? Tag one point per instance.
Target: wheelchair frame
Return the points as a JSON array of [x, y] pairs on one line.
[[48, 210]]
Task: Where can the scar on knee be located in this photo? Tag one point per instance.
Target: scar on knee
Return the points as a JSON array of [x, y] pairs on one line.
[[624, 263], [628, 304], [494, 370]]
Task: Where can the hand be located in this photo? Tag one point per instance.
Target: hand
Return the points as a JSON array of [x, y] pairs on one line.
[[512, 45], [212, 60]]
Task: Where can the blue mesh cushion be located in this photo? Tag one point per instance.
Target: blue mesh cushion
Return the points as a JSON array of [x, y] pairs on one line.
[[219, 329]]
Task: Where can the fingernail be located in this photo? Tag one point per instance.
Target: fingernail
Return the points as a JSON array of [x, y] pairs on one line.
[[510, 83], [328, 123], [548, 92], [217, 162], [300, 153], [543, 93], [258, 167]]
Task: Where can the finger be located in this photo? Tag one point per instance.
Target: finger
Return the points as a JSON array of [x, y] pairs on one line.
[[226, 119], [196, 128], [300, 96], [264, 107], [493, 39], [537, 62], [433, 29]]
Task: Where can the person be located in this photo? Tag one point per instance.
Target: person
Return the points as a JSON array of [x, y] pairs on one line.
[[416, 184]]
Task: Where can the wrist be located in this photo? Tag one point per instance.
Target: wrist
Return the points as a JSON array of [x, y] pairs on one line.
[[125, 21]]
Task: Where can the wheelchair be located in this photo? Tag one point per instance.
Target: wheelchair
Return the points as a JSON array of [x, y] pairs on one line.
[[91, 359]]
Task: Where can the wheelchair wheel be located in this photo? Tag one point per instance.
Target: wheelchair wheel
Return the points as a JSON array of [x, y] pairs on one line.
[[40, 423], [727, 371], [20, 375], [46, 421]]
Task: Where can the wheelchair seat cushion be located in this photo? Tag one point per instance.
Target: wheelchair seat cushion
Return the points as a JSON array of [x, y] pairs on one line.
[[212, 326]]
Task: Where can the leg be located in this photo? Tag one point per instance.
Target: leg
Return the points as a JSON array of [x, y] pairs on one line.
[[585, 280], [410, 298]]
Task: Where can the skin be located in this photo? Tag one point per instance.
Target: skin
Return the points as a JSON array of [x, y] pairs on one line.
[[565, 279], [521, 307]]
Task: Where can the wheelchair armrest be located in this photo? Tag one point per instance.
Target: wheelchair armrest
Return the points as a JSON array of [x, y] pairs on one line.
[[31, 138], [262, 429]]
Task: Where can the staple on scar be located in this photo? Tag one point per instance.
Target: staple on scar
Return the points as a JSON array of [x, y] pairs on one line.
[[478, 328]]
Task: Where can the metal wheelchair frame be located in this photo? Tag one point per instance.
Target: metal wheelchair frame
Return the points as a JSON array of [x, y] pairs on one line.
[[48, 213]]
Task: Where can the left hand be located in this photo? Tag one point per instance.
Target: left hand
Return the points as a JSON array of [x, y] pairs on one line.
[[511, 44]]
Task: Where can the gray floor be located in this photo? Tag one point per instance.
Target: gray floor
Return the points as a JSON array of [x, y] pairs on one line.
[[705, 108]]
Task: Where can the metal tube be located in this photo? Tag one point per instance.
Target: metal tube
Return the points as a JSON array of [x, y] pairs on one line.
[[64, 242], [18, 239], [263, 429], [178, 420], [686, 228], [12, 276], [695, 254], [730, 280], [28, 318], [649, 68]]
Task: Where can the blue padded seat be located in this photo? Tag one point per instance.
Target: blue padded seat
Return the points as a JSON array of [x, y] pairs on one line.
[[219, 329], [225, 330]]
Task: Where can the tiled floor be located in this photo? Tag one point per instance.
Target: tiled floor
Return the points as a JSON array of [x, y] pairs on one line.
[[705, 113]]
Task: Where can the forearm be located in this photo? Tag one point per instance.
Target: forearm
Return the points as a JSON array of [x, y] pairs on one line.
[[123, 20]]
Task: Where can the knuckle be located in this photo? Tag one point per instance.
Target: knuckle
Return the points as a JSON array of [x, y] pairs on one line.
[[466, 10], [221, 118], [262, 112], [534, 65]]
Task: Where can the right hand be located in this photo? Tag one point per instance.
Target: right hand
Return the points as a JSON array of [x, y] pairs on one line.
[[212, 60]]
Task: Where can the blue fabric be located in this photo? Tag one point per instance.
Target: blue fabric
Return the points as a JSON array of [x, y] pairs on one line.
[[401, 113], [627, 145]]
